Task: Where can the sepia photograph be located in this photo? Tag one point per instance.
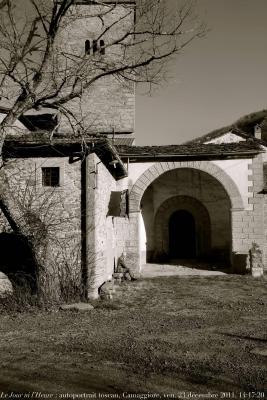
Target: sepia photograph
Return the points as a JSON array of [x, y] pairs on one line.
[[133, 199]]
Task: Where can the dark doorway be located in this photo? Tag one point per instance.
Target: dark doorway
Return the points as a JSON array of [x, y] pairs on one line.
[[182, 235], [17, 260]]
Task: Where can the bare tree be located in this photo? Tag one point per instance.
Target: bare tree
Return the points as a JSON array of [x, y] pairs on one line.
[[41, 70], [38, 70]]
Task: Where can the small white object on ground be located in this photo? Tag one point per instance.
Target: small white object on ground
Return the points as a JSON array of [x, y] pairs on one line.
[[6, 288]]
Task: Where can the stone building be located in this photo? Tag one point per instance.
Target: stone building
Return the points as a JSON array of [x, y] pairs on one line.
[[202, 200], [97, 197], [60, 182]]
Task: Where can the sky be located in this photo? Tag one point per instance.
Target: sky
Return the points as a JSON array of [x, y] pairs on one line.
[[215, 81]]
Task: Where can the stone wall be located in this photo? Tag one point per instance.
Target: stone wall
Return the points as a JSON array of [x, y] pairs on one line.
[[235, 221], [109, 103], [264, 160], [58, 211], [107, 236], [248, 225]]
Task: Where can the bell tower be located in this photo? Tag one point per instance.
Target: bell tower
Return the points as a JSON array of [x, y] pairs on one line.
[[93, 34]]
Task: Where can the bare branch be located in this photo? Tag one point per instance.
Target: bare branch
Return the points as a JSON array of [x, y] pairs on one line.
[[49, 69]]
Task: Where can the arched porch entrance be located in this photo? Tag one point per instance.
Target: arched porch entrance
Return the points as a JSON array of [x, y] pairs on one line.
[[204, 182], [187, 215]]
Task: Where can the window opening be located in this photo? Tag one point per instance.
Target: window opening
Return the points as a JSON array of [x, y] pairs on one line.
[[50, 176]]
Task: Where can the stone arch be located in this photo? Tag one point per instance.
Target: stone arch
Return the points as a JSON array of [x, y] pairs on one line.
[[160, 168], [200, 214]]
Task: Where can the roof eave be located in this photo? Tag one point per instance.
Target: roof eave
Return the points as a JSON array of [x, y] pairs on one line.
[[61, 148], [242, 154]]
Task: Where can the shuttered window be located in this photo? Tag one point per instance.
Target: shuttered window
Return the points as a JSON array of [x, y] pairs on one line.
[[119, 204]]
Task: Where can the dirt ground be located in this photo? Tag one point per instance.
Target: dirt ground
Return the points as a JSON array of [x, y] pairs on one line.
[[167, 336]]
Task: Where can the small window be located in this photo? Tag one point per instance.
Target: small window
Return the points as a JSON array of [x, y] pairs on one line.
[[87, 47], [50, 176], [102, 47], [95, 46]]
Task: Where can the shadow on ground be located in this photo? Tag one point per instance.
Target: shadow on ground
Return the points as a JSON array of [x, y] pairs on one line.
[[162, 335]]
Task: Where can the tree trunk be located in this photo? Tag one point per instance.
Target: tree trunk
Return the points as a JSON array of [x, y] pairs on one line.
[[29, 227]]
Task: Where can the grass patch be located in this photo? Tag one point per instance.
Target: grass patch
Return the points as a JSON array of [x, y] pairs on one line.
[[21, 300]]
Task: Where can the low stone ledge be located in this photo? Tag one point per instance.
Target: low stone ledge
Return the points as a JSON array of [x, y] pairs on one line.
[[76, 307]]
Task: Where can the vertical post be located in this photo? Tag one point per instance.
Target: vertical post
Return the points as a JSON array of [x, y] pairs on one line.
[[239, 258], [91, 251], [133, 244], [84, 226]]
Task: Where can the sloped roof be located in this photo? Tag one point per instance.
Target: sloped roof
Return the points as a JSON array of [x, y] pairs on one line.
[[194, 150], [243, 127], [216, 134], [35, 121], [43, 122], [17, 128], [74, 148]]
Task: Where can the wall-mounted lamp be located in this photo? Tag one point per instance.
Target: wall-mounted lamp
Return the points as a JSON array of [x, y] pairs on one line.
[[114, 162]]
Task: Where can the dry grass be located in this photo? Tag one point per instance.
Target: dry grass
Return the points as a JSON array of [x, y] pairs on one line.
[[162, 335]]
